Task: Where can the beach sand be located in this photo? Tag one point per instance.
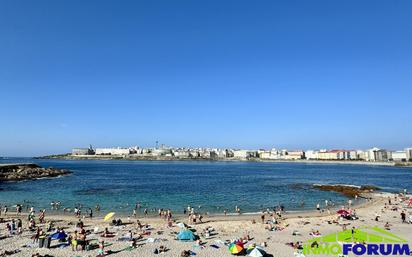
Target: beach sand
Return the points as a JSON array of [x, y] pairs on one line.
[[227, 228]]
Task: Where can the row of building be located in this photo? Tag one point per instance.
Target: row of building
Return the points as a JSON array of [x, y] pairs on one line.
[[373, 154]]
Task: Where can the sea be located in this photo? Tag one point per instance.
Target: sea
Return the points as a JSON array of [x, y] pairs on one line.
[[207, 186]]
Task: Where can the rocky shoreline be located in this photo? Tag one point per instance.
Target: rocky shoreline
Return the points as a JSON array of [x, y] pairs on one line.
[[348, 190], [28, 171]]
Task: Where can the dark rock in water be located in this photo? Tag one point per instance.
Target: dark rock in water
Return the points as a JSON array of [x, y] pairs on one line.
[[25, 171], [348, 190]]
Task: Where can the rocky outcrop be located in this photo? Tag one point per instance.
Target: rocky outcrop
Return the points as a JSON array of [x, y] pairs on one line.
[[25, 171], [347, 190]]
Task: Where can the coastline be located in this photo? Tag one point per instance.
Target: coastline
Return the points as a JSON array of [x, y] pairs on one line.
[[160, 158]]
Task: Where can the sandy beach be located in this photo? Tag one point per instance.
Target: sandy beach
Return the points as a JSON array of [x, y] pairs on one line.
[[291, 228]]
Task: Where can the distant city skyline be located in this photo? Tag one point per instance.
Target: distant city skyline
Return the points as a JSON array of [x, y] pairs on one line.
[[227, 74]]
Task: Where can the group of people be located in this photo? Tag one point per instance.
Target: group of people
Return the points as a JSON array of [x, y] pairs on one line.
[[14, 227], [78, 240]]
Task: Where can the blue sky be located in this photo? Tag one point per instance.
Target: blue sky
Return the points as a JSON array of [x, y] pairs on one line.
[[247, 74]]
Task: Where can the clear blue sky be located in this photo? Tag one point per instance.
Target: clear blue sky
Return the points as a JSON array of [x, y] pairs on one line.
[[247, 74]]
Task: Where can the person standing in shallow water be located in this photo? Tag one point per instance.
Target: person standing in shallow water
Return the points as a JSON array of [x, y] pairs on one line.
[[90, 213]]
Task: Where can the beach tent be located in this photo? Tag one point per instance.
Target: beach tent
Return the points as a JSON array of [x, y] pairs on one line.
[[186, 235], [181, 225], [108, 216], [235, 249], [257, 252], [251, 247], [58, 236]]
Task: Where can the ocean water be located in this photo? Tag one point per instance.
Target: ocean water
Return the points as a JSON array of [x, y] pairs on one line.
[[205, 185]]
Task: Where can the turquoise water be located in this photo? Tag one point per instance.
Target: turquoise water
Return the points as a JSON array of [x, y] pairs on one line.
[[253, 186]]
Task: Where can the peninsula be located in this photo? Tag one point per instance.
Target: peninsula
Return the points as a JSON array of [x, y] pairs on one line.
[[373, 156]]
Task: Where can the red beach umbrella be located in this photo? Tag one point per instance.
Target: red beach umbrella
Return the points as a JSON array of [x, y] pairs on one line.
[[342, 212]]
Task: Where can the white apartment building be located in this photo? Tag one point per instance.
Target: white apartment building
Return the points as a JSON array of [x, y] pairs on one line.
[[112, 151], [398, 156], [312, 155], [375, 155]]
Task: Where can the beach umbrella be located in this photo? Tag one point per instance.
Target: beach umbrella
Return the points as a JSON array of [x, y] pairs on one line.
[[58, 236], [257, 252], [108, 216], [342, 212], [235, 248], [186, 235], [239, 243]]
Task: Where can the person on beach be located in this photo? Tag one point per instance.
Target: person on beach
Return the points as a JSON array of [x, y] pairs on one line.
[[37, 235], [377, 216], [145, 212], [19, 227], [387, 226], [107, 233], [82, 240], [32, 225], [41, 216], [5, 210], [74, 241], [9, 229], [80, 224], [18, 209], [101, 249], [262, 217], [318, 207], [403, 217]]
